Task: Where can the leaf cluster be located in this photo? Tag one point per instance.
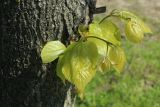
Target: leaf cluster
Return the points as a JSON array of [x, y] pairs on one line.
[[98, 49]]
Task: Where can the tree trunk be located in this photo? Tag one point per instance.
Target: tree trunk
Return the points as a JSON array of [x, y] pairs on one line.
[[25, 26]]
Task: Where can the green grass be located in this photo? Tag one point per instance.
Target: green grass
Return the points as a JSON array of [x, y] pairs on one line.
[[137, 86]]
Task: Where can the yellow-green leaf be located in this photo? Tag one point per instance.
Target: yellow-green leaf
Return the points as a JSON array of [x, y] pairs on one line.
[[101, 46], [80, 63], [134, 32], [64, 60], [51, 51], [126, 15], [95, 30], [117, 58], [111, 32], [105, 65], [107, 31]]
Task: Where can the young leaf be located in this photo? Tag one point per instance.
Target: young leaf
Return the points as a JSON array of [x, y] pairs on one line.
[[80, 63], [95, 30], [64, 60], [105, 65], [111, 32], [126, 15], [107, 31], [134, 32], [117, 57], [101, 46], [51, 51]]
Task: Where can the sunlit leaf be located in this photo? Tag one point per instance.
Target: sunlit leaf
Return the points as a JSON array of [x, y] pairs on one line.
[[64, 60], [51, 51], [126, 15], [105, 65], [117, 58], [134, 32], [80, 63], [107, 31], [101, 46], [95, 30], [111, 32]]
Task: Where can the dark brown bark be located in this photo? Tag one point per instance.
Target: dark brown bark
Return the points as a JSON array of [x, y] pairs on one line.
[[25, 26]]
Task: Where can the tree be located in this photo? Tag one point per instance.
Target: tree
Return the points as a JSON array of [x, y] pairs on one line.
[[26, 25]]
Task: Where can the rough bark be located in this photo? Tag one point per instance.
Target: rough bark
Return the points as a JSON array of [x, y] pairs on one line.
[[25, 26]]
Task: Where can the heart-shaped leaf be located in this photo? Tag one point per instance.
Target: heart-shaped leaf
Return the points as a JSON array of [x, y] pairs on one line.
[[126, 15], [134, 32], [51, 51], [80, 63], [117, 58], [107, 31]]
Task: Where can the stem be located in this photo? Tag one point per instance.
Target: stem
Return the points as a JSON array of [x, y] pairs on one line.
[[105, 18], [109, 43], [111, 14]]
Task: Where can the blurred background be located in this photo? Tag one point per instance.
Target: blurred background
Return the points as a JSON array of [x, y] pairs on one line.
[[139, 83]]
